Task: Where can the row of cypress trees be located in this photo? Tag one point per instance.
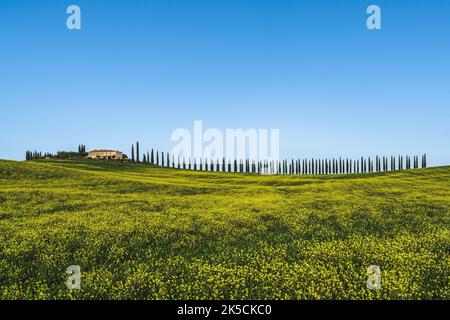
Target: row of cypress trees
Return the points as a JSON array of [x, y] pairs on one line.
[[292, 166], [36, 155]]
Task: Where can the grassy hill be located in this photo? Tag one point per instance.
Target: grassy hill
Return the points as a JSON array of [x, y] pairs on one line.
[[152, 233]]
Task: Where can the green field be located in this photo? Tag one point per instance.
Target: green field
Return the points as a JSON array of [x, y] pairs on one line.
[[140, 232]]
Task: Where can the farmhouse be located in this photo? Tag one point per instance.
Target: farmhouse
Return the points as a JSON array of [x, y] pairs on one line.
[[105, 154]]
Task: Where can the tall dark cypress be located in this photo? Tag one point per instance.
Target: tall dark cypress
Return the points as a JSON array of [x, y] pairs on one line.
[[137, 151], [132, 152], [162, 159]]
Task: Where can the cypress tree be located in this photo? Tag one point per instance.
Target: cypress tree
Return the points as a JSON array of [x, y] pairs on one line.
[[162, 159], [223, 164], [137, 151], [132, 152], [157, 158]]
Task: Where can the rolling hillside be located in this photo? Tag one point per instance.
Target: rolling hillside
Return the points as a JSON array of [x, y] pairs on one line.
[[139, 232]]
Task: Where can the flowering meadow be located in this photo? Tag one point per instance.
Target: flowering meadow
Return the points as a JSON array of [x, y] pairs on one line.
[[142, 232]]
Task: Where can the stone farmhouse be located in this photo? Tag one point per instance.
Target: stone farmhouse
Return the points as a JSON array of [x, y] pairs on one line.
[[105, 154]]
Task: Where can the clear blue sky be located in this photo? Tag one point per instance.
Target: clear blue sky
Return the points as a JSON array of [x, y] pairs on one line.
[[140, 69]]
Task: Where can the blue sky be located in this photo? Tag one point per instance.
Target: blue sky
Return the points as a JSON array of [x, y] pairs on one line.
[[137, 70]]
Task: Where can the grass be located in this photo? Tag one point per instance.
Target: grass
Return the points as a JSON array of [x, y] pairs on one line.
[[139, 232]]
